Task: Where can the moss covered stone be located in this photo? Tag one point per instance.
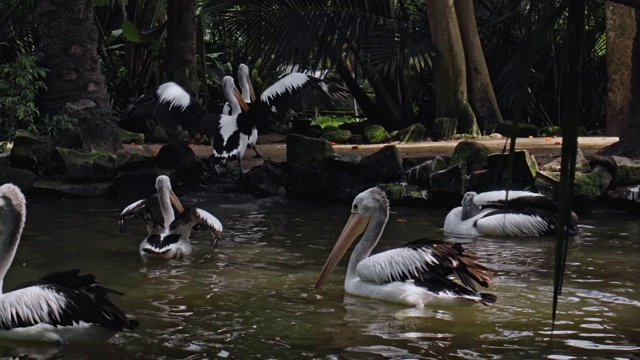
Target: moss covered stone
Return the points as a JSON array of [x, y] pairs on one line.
[[412, 133], [87, 166], [128, 137], [582, 165], [31, 152], [587, 186], [420, 174], [376, 134], [473, 154], [307, 152], [403, 193], [627, 171], [337, 136], [21, 178]]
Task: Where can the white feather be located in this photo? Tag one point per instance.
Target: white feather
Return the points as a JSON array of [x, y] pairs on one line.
[[500, 195], [174, 94], [385, 266], [35, 304], [512, 225], [286, 84], [133, 207], [209, 219]]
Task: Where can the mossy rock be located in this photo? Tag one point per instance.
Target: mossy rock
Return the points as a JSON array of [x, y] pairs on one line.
[[586, 186], [420, 174], [87, 166], [337, 136], [21, 178], [472, 153], [128, 137], [412, 133], [376, 134], [403, 193], [31, 152], [134, 157], [307, 152]]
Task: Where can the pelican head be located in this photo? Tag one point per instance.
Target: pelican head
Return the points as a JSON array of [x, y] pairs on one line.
[[12, 211], [244, 79], [163, 186], [231, 91], [368, 204], [469, 208]]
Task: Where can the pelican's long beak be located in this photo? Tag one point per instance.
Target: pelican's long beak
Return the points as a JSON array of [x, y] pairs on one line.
[[241, 101], [355, 227], [175, 202], [252, 94]]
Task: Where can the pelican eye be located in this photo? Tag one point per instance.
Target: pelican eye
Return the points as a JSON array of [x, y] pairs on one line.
[[355, 207]]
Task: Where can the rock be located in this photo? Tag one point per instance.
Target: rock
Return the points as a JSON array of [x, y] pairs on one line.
[[472, 153], [87, 166], [376, 134], [627, 193], [355, 139], [180, 156], [307, 183], [356, 127], [405, 194], [81, 190], [268, 178], [31, 152], [344, 186], [550, 131], [128, 137], [140, 183], [524, 172], [448, 180], [337, 136], [420, 175], [307, 152], [21, 178], [482, 181], [627, 171], [412, 133], [444, 128], [300, 126], [582, 165], [134, 158], [160, 133], [344, 163], [382, 166], [587, 186], [523, 129]]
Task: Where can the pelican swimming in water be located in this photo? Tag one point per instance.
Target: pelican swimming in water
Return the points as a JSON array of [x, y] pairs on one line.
[[419, 273], [61, 307], [169, 239], [522, 213]]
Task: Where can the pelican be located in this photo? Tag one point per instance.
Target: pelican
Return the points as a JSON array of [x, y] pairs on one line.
[[249, 96], [61, 307], [236, 135], [522, 213], [421, 272], [169, 239]]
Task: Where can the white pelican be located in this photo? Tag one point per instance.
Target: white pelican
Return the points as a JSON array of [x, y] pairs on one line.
[[419, 273], [522, 213], [61, 307], [170, 238], [234, 136], [249, 96]]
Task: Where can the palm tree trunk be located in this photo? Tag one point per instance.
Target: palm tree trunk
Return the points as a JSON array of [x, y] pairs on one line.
[[75, 84], [180, 56], [481, 96]]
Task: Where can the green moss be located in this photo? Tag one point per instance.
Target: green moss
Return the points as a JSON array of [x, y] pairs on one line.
[[128, 137], [473, 154], [413, 133], [376, 134], [550, 131], [337, 136]]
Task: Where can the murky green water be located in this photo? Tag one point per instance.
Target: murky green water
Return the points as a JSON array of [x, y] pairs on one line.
[[253, 296]]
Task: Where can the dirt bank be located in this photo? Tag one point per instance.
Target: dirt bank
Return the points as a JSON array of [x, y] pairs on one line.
[[272, 146]]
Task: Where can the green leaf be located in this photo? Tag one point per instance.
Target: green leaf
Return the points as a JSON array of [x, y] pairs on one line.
[[130, 31]]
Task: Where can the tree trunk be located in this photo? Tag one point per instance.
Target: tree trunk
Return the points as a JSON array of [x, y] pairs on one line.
[[180, 56], [481, 96], [620, 23], [75, 84], [449, 67], [629, 144]]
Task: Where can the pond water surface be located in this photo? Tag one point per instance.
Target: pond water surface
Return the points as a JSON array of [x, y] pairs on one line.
[[253, 297]]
